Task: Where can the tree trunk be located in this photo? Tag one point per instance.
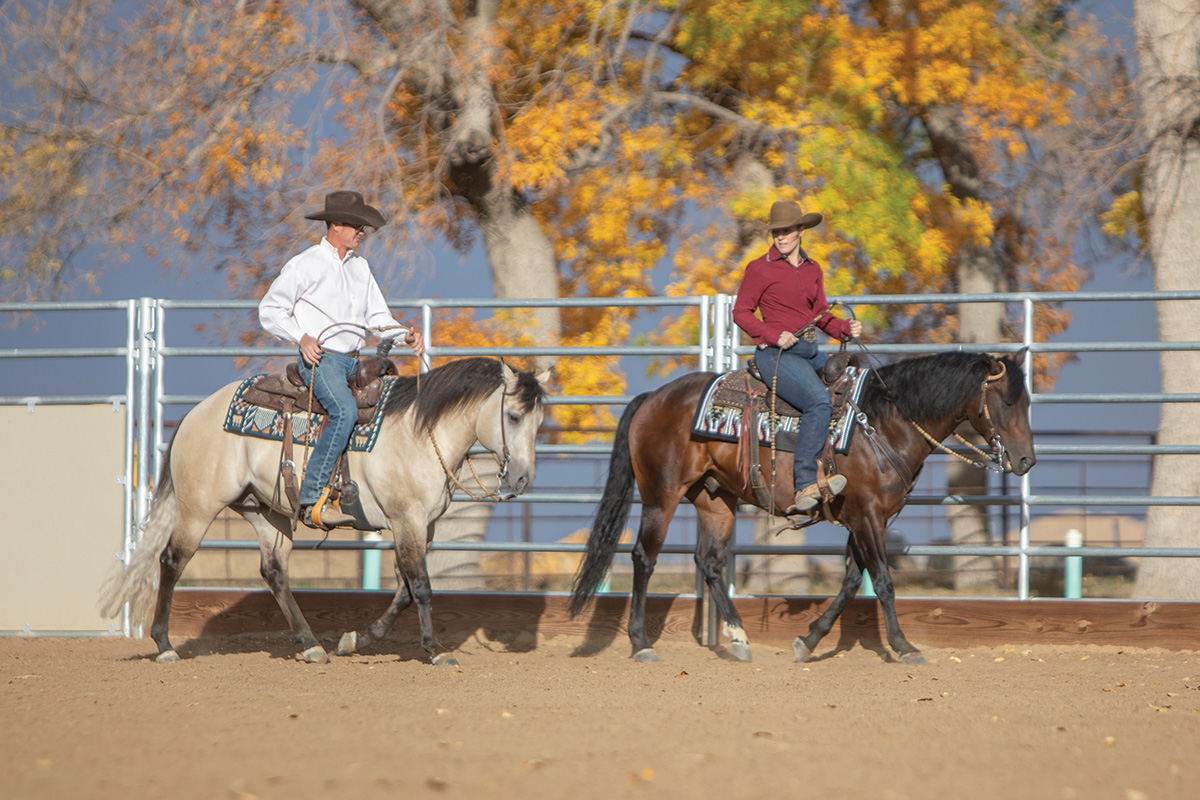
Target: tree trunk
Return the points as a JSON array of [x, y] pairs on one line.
[[1168, 47], [977, 273]]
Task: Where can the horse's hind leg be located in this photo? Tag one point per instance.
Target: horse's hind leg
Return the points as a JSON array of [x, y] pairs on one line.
[[716, 528], [658, 507], [185, 540], [804, 646], [351, 641], [275, 549]]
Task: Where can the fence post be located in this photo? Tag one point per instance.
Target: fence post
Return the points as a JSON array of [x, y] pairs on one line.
[[1073, 567], [370, 561]]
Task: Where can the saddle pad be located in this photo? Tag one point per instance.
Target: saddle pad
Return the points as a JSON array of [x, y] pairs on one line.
[[245, 419], [718, 417]]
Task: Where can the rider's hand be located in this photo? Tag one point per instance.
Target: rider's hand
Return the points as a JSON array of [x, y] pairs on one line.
[[786, 340], [310, 350], [416, 340], [855, 329]]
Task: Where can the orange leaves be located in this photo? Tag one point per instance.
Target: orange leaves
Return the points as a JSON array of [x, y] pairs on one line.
[[543, 137]]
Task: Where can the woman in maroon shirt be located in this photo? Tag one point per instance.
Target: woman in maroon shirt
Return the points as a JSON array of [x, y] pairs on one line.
[[788, 289]]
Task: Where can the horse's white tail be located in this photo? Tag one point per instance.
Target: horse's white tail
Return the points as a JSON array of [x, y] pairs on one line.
[[137, 582]]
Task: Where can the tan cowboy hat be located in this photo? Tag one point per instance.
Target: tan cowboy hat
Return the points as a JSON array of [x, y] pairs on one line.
[[786, 213], [348, 207]]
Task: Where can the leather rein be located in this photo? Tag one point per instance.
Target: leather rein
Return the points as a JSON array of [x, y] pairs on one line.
[[998, 452], [501, 474]]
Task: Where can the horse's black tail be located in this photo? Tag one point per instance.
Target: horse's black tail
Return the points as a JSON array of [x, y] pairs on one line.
[[610, 517]]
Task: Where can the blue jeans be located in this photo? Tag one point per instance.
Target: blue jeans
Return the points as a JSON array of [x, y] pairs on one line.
[[329, 382], [798, 383]]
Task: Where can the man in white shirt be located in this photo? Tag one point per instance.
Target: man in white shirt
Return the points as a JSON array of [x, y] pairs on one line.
[[324, 300]]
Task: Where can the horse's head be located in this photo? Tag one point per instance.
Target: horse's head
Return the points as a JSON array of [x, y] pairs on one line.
[[1002, 416], [508, 424]]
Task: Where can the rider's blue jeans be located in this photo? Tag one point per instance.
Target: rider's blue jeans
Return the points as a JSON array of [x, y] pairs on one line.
[[329, 382], [797, 382]]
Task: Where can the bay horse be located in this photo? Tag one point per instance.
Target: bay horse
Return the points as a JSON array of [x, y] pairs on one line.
[[428, 425], [910, 406]]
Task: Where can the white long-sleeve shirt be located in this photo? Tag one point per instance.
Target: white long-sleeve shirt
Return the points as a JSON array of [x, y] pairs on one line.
[[317, 289]]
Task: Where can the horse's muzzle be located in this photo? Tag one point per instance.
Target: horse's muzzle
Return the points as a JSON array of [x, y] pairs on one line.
[[1022, 465]]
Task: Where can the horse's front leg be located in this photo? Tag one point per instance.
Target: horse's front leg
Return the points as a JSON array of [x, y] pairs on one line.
[[881, 576], [275, 550], [351, 641], [867, 538], [804, 646], [410, 560]]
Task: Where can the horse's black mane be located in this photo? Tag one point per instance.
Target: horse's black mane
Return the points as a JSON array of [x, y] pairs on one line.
[[451, 387], [931, 388]]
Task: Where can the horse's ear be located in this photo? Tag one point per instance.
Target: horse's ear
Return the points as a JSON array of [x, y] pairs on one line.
[[510, 377], [996, 369], [1019, 357], [543, 377]]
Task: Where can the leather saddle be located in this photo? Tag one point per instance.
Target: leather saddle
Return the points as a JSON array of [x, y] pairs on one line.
[[289, 393], [747, 390]]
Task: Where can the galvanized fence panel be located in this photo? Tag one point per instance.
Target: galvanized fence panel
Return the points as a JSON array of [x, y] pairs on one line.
[[148, 355]]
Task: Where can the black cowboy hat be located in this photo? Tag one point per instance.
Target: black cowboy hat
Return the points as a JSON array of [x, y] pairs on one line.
[[786, 213], [348, 207]]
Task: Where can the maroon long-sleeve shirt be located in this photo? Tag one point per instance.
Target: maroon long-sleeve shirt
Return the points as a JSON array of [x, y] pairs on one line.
[[788, 298]]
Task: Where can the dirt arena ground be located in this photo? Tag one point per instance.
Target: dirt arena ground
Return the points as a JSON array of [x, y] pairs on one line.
[[240, 718]]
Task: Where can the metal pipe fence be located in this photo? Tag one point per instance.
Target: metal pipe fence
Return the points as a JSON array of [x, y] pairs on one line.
[[147, 354]]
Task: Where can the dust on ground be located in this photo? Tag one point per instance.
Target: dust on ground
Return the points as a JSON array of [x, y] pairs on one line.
[[240, 718]]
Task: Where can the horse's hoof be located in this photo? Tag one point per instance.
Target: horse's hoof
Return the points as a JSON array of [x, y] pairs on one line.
[[167, 657], [445, 660], [800, 652], [313, 655], [348, 644], [741, 651], [647, 656], [914, 657]]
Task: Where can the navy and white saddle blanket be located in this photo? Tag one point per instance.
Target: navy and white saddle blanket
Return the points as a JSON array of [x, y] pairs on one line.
[[246, 419], [723, 405]]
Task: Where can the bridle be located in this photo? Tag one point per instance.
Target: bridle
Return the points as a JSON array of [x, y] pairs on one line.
[[502, 461], [999, 454]]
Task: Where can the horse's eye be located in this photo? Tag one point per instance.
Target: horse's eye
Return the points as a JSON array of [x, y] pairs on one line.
[[514, 417]]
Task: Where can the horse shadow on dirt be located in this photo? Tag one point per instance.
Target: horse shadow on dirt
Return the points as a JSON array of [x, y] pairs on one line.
[[252, 622], [680, 616], [676, 616]]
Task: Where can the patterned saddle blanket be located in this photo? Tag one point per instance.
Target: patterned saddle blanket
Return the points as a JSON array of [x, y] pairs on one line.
[[721, 410], [249, 419]]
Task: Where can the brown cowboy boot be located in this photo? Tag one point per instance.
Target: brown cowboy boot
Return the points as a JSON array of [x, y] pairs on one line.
[[323, 516], [808, 497]]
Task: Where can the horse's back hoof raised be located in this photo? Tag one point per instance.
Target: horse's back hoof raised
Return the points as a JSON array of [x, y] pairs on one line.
[[800, 652], [348, 644], [167, 657], [647, 656], [313, 655]]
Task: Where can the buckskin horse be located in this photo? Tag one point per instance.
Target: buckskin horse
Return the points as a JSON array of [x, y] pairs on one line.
[[910, 406], [404, 483]]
